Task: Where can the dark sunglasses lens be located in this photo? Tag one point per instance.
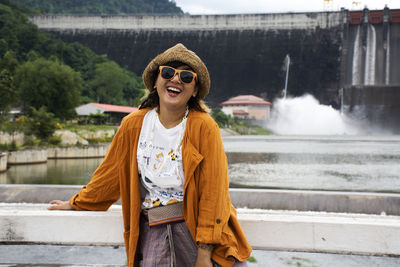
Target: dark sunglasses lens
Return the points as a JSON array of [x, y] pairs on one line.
[[186, 76], [167, 73]]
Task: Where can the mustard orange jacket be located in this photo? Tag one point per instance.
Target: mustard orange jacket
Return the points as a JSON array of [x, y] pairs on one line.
[[207, 207]]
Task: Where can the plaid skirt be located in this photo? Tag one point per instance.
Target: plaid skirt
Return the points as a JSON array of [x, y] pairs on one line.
[[168, 245]]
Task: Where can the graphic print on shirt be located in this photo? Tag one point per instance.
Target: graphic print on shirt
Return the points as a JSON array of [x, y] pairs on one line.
[[160, 165]]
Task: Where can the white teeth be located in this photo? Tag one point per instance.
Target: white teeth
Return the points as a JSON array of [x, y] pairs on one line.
[[174, 89]]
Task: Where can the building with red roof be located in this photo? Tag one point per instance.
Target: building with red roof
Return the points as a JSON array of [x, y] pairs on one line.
[[116, 112], [247, 107]]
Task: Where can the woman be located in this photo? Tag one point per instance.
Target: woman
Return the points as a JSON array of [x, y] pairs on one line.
[[167, 164]]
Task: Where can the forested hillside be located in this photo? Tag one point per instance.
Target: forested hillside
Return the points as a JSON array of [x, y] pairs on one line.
[[102, 7], [37, 71]]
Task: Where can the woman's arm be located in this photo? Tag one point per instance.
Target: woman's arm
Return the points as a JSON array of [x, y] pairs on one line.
[[213, 186], [203, 258], [103, 189]]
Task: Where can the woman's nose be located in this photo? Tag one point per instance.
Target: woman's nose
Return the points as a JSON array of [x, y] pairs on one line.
[[175, 78]]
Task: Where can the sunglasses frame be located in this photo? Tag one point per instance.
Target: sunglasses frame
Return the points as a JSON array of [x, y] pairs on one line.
[[179, 74]]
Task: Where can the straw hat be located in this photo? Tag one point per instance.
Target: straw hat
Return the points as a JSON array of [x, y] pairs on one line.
[[178, 53]]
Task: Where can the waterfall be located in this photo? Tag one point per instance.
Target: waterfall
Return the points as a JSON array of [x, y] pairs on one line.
[[356, 59], [387, 70], [370, 56]]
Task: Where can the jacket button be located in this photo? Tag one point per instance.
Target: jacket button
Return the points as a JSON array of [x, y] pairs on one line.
[[218, 221]]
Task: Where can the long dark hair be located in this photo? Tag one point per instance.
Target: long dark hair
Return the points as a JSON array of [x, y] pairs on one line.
[[152, 100]]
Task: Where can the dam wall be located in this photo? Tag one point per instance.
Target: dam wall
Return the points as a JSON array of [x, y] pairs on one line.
[[333, 54], [282, 21], [244, 53]]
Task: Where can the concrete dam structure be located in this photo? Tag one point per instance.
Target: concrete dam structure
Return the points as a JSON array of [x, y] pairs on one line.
[[371, 67], [354, 51]]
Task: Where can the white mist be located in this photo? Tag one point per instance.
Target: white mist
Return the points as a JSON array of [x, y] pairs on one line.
[[306, 116]]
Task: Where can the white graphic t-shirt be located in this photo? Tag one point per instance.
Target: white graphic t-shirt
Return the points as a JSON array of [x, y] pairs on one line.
[[160, 161]]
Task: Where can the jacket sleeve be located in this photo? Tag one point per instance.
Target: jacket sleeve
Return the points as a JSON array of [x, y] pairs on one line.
[[213, 185], [103, 189]]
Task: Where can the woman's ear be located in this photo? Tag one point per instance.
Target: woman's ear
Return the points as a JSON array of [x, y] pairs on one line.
[[195, 91]]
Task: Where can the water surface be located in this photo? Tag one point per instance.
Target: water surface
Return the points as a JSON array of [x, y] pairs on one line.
[[345, 163]]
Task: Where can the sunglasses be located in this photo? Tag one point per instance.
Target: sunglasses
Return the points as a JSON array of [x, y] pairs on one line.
[[185, 76]]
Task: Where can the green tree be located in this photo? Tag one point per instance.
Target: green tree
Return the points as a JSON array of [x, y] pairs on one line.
[[9, 96], [51, 84], [17, 33], [221, 118], [108, 83], [42, 123], [9, 62], [103, 6], [134, 90]]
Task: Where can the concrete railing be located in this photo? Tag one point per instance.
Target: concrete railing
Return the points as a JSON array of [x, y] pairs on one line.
[[301, 200], [261, 213], [265, 229]]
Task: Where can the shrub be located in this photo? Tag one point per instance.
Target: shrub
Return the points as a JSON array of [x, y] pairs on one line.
[[43, 123]]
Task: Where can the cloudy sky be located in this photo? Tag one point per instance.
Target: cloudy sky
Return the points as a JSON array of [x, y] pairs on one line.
[[276, 6]]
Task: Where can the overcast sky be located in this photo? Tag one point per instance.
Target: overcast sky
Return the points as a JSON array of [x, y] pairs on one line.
[[275, 6]]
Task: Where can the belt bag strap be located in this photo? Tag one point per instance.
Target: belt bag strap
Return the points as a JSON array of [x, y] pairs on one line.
[[165, 214]]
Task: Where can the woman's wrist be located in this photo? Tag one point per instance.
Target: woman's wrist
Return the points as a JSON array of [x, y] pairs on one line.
[[204, 246]]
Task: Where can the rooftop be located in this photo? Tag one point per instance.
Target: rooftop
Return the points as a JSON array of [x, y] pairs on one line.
[[246, 100], [115, 108]]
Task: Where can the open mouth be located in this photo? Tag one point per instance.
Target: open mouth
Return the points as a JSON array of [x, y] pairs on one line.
[[173, 90]]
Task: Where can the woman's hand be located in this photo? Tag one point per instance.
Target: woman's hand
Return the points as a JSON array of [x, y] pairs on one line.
[[60, 205], [203, 258]]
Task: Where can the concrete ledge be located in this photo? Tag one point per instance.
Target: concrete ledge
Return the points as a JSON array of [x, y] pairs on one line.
[[20, 193], [302, 200], [27, 156], [24, 223], [310, 200], [75, 152], [265, 229], [322, 232]]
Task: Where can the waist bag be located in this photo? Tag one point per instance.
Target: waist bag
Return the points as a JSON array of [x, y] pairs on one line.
[[164, 214]]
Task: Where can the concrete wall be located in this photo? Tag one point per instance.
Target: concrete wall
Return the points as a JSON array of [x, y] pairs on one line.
[[264, 229], [91, 151], [27, 156], [3, 161], [377, 105], [286, 21]]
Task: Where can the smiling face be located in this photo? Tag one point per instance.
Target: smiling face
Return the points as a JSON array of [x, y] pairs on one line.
[[173, 93]]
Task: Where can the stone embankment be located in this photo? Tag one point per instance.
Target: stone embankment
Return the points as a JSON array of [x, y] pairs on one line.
[[73, 145], [27, 156], [31, 156], [75, 152]]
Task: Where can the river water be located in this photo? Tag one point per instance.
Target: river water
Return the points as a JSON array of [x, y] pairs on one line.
[[346, 163]]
